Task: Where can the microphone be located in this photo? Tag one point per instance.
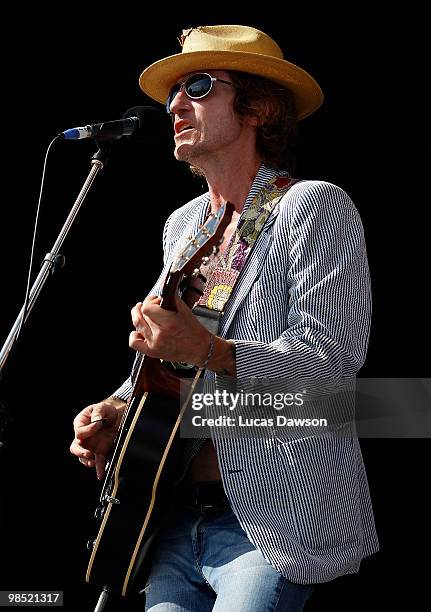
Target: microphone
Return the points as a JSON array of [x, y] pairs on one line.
[[143, 123]]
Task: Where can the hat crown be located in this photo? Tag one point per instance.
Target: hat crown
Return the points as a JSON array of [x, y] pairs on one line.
[[237, 48], [229, 38]]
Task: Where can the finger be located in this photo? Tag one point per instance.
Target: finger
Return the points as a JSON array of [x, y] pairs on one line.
[[152, 299], [100, 465], [139, 343], [141, 323], [86, 462], [90, 414], [79, 451], [150, 309], [99, 418], [137, 314], [156, 316], [83, 418], [144, 328], [89, 430], [182, 306]]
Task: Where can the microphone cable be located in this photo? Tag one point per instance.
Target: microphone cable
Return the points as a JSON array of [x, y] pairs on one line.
[[36, 225]]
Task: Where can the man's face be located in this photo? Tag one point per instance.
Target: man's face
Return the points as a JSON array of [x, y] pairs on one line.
[[206, 127]]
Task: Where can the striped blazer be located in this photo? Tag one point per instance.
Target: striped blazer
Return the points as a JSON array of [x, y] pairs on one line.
[[300, 309]]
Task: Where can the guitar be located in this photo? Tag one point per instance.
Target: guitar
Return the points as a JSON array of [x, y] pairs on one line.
[[142, 470]]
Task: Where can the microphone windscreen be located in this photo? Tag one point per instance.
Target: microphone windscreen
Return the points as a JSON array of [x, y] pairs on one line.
[[153, 124]]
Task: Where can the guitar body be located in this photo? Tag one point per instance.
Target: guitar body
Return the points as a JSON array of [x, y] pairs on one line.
[[143, 469], [137, 489]]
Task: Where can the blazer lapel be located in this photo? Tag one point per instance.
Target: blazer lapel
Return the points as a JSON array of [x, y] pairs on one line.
[[192, 221]]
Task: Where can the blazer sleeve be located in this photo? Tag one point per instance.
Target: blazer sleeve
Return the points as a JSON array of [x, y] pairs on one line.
[[329, 295]]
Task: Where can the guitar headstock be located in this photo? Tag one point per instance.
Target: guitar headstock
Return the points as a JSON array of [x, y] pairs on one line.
[[203, 244]]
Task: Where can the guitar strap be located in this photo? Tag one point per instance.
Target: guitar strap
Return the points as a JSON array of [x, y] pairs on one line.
[[221, 282]]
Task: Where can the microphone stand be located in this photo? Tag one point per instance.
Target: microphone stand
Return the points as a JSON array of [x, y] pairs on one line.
[[51, 263], [54, 260]]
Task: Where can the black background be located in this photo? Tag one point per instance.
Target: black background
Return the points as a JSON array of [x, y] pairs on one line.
[[63, 70]]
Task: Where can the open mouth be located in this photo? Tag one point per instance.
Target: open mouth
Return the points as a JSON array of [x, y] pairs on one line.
[[181, 127]]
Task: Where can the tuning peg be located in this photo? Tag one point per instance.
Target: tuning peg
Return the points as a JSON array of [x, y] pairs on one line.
[[195, 272], [91, 544], [99, 512], [205, 260], [215, 250]]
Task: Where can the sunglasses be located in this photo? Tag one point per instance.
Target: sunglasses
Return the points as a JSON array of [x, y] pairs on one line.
[[196, 86]]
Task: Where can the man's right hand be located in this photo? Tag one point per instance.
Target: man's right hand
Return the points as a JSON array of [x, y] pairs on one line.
[[95, 429]]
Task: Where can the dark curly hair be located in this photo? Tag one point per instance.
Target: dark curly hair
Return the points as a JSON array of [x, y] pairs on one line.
[[274, 108]]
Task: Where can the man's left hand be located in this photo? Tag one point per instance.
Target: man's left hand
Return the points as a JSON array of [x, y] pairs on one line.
[[174, 336]]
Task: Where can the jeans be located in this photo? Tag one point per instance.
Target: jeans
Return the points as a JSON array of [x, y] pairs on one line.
[[206, 562]]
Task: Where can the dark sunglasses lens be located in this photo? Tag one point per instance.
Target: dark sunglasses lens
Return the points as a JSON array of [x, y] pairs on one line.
[[198, 85], [175, 89]]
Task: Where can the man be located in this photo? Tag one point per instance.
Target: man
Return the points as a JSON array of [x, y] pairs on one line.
[[286, 513]]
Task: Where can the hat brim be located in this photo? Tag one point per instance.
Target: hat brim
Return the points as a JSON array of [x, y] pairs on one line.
[[157, 80]]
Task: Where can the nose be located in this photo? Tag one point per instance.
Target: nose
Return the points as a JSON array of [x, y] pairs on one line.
[[180, 101]]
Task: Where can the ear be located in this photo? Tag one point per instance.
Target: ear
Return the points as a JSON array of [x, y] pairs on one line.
[[251, 121]]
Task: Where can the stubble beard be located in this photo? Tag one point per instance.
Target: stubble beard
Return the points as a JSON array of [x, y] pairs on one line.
[[190, 158]]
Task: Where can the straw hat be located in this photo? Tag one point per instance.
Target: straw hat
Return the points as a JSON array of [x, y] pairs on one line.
[[232, 47]]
